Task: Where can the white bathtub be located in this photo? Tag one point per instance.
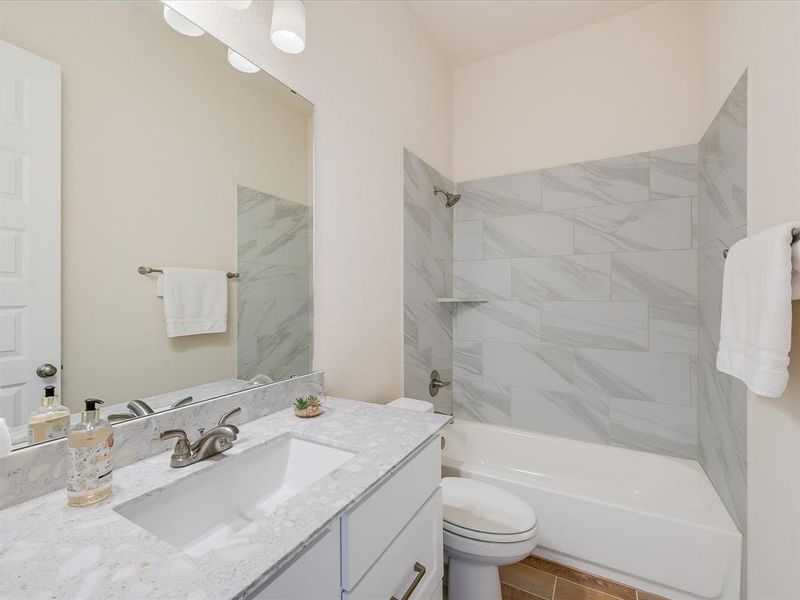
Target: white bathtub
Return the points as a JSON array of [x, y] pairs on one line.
[[650, 521]]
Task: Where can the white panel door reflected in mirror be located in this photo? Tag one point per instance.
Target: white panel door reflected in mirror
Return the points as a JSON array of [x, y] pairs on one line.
[[30, 214]]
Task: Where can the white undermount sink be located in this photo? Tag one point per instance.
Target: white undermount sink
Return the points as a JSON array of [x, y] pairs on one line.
[[202, 511]]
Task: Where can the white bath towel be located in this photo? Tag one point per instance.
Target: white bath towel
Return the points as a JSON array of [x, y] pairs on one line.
[[195, 301], [756, 325]]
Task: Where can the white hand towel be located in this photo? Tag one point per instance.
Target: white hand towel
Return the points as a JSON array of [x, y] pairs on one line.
[[756, 325], [195, 301]]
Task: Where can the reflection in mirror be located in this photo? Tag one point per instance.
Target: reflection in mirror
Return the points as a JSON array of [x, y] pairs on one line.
[[274, 301], [124, 144]]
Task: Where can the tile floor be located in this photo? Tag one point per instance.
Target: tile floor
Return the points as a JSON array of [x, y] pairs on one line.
[[535, 578]]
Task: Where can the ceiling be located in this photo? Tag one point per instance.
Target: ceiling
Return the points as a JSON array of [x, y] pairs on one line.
[[470, 30]]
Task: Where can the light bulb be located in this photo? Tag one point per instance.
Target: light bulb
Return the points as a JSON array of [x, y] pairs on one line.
[[288, 28], [239, 62], [180, 23]]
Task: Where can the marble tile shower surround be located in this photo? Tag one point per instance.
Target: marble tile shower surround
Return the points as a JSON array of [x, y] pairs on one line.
[[722, 220], [38, 470], [591, 328], [274, 305], [427, 275]]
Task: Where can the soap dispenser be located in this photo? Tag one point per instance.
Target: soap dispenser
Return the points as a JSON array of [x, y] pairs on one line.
[[89, 451], [50, 421]]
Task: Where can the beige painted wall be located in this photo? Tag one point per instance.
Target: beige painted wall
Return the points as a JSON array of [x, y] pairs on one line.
[[155, 138], [764, 37], [623, 85], [378, 84]]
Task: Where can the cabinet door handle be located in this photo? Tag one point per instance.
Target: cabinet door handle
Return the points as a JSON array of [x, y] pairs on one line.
[[420, 570]]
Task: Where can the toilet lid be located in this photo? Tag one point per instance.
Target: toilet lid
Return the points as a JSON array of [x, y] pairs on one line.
[[481, 511]]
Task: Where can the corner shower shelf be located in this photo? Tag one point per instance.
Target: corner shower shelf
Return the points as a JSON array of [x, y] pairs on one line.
[[464, 300]]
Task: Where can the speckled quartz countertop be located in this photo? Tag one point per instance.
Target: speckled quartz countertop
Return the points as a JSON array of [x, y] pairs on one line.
[[51, 551]]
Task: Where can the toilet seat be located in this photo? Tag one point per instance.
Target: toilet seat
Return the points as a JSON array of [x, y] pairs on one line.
[[483, 536], [488, 553], [485, 513]]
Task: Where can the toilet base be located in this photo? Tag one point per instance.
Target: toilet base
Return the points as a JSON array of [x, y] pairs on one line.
[[471, 581]]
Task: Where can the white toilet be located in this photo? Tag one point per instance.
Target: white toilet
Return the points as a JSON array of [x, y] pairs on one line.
[[485, 527]]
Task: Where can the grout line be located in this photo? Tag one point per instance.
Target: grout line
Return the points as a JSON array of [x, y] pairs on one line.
[[605, 593], [525, 592], [526, 568]]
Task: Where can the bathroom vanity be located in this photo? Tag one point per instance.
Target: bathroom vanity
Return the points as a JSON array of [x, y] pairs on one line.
[[388, 545], [344, 505]]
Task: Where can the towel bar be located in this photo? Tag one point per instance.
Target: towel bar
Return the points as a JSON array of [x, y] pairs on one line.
[[795, 239], [148, 270]]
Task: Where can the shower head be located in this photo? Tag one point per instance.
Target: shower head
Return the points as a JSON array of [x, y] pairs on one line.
[[452, 199]]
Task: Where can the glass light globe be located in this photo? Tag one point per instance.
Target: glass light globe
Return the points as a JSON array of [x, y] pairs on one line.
[[239, 62], [180, 23], [288, 27]]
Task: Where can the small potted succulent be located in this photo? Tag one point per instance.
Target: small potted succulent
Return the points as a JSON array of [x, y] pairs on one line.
[[308, 406]]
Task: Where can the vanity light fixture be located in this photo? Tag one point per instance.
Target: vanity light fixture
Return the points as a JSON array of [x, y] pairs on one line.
[[180, 23], [239, 62], [288, 28]]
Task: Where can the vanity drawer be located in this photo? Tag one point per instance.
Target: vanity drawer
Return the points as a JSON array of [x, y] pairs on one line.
[[414, 556], [294, 583], [369, 528]]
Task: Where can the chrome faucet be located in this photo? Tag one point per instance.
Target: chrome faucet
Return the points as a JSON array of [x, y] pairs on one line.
[[136, 408], [210, 443], [140, 408]]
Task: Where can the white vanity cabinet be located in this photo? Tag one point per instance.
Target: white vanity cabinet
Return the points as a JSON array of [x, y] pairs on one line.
[[389, 546], [411, 563], [392, 540]]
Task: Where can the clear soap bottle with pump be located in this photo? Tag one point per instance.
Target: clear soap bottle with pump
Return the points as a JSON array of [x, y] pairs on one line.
[[89, 457], [50, 421]]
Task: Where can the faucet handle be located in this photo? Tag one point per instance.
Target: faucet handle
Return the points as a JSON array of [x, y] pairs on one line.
[[434, 384], [182, 402], [224, 418], [182, 447]]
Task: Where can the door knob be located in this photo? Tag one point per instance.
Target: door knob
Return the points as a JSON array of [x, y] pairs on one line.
[[46, 370]]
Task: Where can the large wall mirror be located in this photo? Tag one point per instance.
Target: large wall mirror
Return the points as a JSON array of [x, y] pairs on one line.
[[128, 148]]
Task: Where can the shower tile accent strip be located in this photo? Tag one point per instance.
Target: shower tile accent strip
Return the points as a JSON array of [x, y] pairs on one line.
[[535, 578], [591, 327], [427, 276]]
